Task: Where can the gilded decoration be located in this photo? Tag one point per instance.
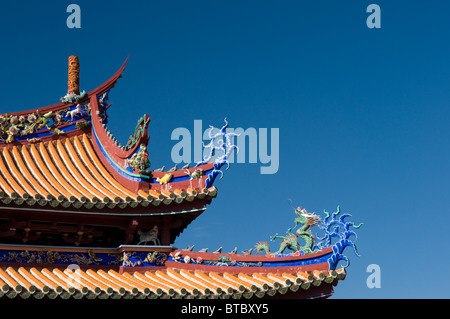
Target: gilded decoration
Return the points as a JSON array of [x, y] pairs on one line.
[[146, 259], [58, 257]]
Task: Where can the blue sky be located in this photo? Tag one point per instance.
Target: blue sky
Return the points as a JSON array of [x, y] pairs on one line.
[[362, 113]]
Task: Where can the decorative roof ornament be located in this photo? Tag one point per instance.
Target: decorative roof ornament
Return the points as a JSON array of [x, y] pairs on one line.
[[310, 243], [165, 179], [139, 161], [222, 142], [290, 241], [196, 174], [337, 227], [73, 83], [139, 132]]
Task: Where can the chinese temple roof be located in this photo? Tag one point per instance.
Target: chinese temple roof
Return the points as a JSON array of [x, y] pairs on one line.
[[82, 216]]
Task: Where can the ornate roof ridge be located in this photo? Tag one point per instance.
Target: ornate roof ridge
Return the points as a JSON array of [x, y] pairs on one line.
[[150, 272], [107, 85], [46, 123]]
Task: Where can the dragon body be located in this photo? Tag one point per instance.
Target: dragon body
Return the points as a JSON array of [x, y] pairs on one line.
[[290, 241]]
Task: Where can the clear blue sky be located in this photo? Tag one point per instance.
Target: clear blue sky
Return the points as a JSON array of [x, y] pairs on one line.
[[363, 113]]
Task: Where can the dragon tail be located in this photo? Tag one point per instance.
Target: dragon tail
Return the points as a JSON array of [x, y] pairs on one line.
[[262, 246]]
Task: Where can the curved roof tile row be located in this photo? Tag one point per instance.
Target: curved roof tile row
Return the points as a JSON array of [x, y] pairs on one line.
[[166, 283], [69, 171]]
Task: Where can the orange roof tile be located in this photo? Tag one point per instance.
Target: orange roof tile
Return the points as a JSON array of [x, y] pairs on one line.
[[61, 284]]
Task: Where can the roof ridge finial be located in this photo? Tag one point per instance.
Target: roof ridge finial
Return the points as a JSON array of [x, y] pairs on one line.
[[73, 84]]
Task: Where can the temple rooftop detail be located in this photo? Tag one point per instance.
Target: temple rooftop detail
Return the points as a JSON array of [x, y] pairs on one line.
[[83, 216]]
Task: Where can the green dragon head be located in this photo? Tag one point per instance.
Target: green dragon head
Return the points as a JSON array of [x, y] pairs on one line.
[[306, 218]]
